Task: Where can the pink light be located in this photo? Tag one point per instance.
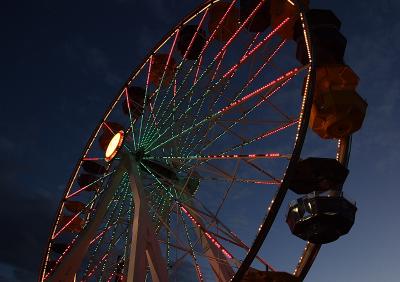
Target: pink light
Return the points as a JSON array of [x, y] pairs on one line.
[[217, 27], [59, 259], [198, 69], [239, 29], [108, 127], [266, 62], [170, 53], [66, 225], [100, 235], [258, 91], [199, 272], [248, 54], [234, 67], [267, 38], [152, 114], [218, 66], [79, 191], [269, 133], [127, 99], [174, 88], [195, 34], [70, 246], [111, 276], [267, 182], [211, 238], [236, 156], [92, 159], [95, 267], [148, 73]]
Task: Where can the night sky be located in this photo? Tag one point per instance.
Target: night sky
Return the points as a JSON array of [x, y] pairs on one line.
[[62, 62]]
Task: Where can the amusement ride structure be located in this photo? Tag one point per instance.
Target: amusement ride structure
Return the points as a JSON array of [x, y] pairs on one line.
[[206, 137]]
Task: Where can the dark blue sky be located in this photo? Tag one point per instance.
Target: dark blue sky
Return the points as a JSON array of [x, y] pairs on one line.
[[61, 62]]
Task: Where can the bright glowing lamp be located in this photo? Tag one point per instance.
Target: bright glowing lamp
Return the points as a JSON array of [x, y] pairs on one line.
[[114, 145]]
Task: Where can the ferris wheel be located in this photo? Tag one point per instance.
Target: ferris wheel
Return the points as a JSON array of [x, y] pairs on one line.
[[206, 137]]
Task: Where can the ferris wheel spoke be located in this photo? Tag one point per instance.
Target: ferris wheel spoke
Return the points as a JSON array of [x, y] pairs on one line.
[[109, 222], [101, 264], [104, 258], [203, 229], [89, 185], [263, 171], [184, 117], [176, 91], [117, 215], [213, 77], [197, 114], [206, 143], [264, 135], [239, 29], [75, 216], [198, 61], [264, 98], [223, 157], [250, 140], [228, 189], [170, 230], [253, 121], [245, 180], [187, 251], [210, 237], [132, 123], [185, 144], [218, 26], [158, 90], [271, 86], [223, 49], [183, 58], [192, 253], [221, 171], [146, 99], [231, 131], [246, 56], [225, 229], [278, 110], [69, 247], [168, 191], [189, 107]]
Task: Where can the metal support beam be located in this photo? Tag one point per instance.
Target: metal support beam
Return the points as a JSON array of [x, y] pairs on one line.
[[72, 261], [222, 270], [145, 249]]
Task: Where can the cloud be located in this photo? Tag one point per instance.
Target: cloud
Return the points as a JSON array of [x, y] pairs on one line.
[[372, 53], [26, 213], [93, 60]]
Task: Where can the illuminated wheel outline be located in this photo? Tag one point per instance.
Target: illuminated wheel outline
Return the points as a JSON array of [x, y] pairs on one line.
[[302, 122]]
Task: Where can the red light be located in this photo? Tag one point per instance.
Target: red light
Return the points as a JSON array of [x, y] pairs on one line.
[[248, 54], [195, 34], [66, 225], [212, 239]]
